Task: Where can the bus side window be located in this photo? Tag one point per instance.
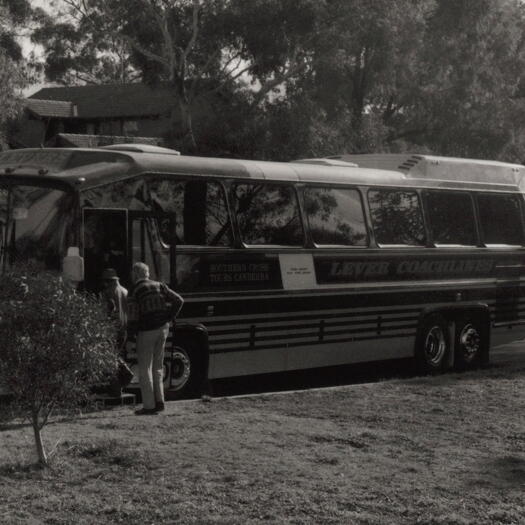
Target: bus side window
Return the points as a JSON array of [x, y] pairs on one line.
[[396, 217], [127, 194], [501, 219], [451, 218], [199, 207], [335, 216], [268, 214]]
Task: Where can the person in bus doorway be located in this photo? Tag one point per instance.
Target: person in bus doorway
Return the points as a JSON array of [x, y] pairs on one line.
[[152, 307], [115, 297]]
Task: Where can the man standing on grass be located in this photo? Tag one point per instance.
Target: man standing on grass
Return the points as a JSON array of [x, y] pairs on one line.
[[152, 307]]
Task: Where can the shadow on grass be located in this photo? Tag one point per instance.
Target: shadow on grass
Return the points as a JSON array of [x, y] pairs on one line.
[[102, 453], [510, 469], [13, 426], [109, 452], [493, 371], [403, 370], [112, 452], [505, 472], [342, 375], [19, 468]]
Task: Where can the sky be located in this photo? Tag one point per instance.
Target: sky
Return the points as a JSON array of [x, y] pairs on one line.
[[28, 47]]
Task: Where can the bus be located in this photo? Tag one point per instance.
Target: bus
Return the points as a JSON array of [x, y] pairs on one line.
[[285, 265]]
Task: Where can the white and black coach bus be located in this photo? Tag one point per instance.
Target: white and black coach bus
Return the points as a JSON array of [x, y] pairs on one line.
[[286, 266]]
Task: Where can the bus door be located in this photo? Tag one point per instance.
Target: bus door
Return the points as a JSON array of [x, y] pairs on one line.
[[152, 241], [105, 240]]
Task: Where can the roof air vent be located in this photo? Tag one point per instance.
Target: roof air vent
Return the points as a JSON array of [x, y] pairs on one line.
[[142, 148], [327, 162]]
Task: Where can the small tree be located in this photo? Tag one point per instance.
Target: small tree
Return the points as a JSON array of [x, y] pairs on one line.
[[55, 344]]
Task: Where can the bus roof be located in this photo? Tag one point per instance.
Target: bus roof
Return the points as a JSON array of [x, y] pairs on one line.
[[442, 168], [87, 168]]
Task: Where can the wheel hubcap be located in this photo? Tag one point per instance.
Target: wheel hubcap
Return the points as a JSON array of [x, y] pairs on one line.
[[470, 342], [180, 369], [435, 345]]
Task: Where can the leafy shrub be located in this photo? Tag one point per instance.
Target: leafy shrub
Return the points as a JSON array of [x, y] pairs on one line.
[[56, 343]]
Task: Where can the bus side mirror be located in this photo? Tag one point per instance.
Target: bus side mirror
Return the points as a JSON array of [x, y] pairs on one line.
[[73, 265]]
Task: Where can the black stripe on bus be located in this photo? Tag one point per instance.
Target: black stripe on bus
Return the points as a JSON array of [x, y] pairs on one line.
[[215, 329], [314, 335], [315, 343]]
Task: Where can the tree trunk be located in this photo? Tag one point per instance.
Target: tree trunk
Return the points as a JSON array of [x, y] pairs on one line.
[[42, 456], [181, 127], [187, 126]]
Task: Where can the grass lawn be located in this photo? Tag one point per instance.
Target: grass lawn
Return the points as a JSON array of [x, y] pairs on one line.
[[441, 450]]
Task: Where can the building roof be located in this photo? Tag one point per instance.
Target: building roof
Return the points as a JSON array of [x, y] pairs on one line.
[[51, 108], [111, 100], [94, 141]]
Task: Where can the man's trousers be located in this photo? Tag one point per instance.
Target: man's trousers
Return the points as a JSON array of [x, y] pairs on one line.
[[150, 355]]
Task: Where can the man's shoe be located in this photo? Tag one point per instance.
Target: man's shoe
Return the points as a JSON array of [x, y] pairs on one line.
[[145, 412], [159, 406]]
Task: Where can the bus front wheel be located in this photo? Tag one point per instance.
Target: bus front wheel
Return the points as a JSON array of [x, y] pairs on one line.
[[186, 370], [471, 343], [432, 344]]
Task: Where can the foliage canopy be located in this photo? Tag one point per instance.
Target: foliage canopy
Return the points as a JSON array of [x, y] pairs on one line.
[[285, 79]]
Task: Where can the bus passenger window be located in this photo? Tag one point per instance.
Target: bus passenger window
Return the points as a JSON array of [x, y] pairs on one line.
[[268, 214], [501, 219], [451, 218], [199, 207], [127, 194], [396, 217], [335, 216]]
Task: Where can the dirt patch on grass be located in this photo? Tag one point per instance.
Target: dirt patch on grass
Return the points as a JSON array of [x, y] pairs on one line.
[[439, 450]]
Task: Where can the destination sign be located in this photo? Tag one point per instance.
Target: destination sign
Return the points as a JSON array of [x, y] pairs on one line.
[[344, 270], [216, 272], [240, 272]]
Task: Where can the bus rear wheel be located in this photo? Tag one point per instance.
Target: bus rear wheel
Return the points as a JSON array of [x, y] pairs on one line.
[[470, 343], [186, 370], [432, 344]]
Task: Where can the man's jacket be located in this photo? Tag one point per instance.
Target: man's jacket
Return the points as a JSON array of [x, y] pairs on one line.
[[152, 304]]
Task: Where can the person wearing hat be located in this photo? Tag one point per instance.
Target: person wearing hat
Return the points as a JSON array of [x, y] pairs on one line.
[[115, 296]]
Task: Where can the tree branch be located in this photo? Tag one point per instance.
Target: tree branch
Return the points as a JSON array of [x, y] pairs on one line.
[[143, 51], [236, 56], [78, 10], [194, 31], [279, 79], [170, 60], [224, 69], [196, 79]]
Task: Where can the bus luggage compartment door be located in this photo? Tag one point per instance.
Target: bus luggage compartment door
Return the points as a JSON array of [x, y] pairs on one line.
[[507, 322]]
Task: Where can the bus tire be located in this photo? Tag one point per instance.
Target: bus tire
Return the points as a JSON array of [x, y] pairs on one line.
[[471, 343], [432, 344], [186, 369]]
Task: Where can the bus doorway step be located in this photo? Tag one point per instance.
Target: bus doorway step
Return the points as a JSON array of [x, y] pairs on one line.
[[105, 400]]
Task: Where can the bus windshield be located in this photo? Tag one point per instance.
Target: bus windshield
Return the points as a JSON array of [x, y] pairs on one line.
[[34, 225]]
